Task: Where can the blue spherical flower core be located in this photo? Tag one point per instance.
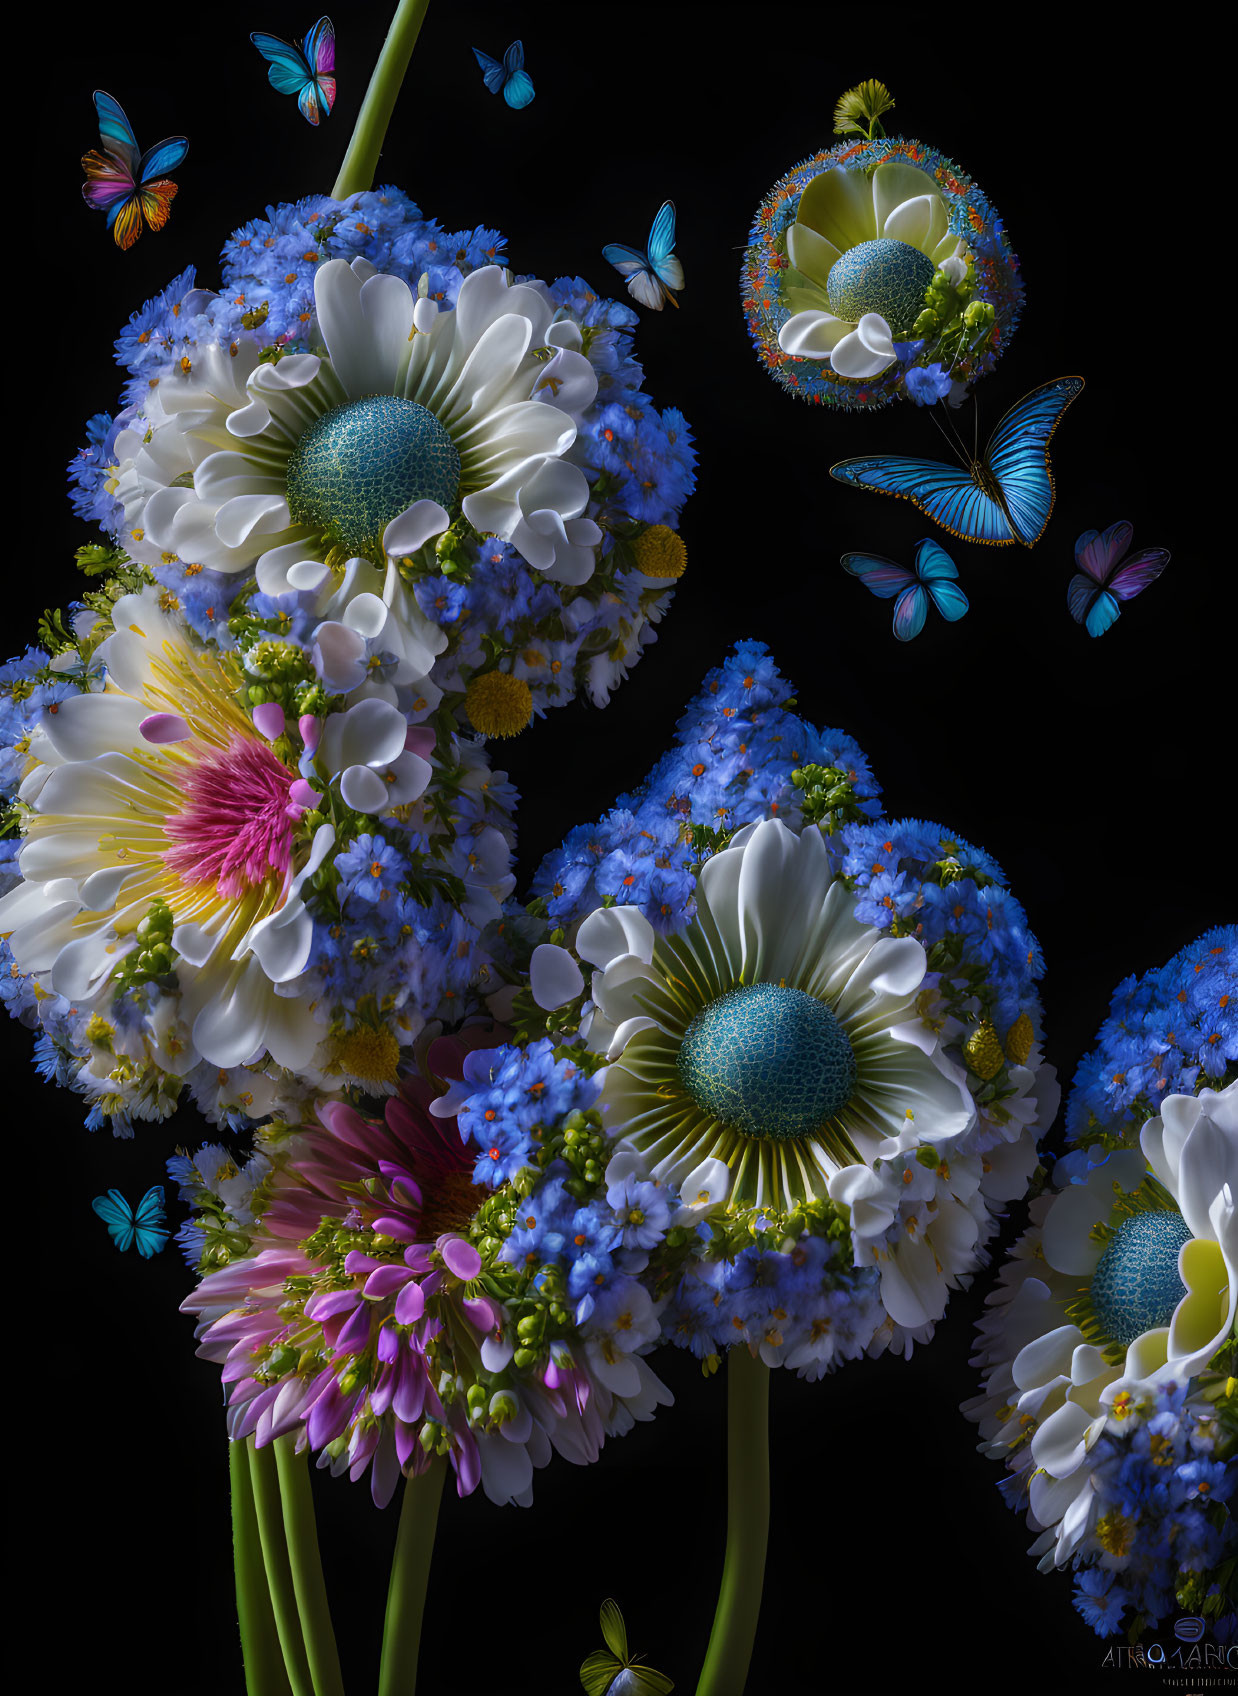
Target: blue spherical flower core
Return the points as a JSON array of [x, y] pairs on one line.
[[361, 465], [886, 276], [1136, 1285], [768, 1061]]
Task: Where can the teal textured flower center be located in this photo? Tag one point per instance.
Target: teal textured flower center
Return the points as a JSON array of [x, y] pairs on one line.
[[361, 465], [768, 1061], [884, 276], [1136, 1285]]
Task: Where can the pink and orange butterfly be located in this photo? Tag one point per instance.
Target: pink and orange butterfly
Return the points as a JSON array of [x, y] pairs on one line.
[[124, 182]]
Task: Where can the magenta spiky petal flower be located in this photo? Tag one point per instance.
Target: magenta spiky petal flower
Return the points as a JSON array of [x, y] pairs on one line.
[[362, 1321]]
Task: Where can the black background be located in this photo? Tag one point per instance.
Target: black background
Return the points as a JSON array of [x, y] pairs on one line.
[[1095, 771]]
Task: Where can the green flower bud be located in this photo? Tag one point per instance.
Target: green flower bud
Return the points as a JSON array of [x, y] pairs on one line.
[[524, 1358]]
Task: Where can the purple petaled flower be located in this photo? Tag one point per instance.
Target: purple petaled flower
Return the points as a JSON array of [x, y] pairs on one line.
[[361, 1261]]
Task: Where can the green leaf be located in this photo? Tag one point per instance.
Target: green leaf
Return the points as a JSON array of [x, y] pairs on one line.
[[648, 1681], [597, 1672], [614, 1633], [858, 110]]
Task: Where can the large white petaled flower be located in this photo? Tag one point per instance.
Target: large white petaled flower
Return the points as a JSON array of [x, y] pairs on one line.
[[320, 473], [773, 1052], [867, 246], [1130, 1283], [160, 789]]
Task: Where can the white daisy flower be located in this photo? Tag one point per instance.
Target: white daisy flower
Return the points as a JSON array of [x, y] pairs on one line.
[[774, 1053], [1129, 1281], [319, 472], [867, 245]]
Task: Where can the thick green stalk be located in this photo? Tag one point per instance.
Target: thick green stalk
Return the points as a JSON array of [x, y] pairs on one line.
[[410, 1573], [264, 1660], [307, 1580], [747, 1526], [269, 1512], [361, 160]]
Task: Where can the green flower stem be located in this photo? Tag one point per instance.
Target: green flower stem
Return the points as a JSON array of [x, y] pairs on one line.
[[747, 1526], [292, 1470], [410, 1573], [361, 160], [263, 1657], [270, 1516]]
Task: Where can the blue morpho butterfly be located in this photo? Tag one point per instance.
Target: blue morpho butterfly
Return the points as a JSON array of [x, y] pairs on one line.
[[308, 71], [651, 275], [1004, 496], [1106, 575], [145, 1226], [932, 580], [509, 78]]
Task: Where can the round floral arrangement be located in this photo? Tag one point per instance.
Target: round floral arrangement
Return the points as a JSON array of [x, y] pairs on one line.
[[258, 902], [820, 1027], [1109, 1353], [445, 471], [371, 504], [876, 269], [370, 1292]]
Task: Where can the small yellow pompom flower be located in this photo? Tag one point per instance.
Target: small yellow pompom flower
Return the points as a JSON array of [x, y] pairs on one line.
[[498, 704], [660, 552], [1019, 1040], [983, 1052], [369, 1054]]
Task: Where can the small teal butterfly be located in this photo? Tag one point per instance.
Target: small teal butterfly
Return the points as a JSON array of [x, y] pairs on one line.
[[932, 580], [1108, 573], [308, 71], [145, 1227], [510, 79], [1004, 496], [653, 274], [612, 1671]]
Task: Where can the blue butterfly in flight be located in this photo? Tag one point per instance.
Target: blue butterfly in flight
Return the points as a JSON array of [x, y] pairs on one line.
[[932, 580], [308, 71], [651, 275], [509, 78], [145, 1226], [1005, 495]]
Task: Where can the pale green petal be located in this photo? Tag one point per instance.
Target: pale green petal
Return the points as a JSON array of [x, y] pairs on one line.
[[895, 183], [811, 253], [839, 206]]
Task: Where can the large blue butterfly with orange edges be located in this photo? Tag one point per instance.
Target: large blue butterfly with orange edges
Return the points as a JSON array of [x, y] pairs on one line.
[[932, 580], [508, 77], [308, 71], [124, 182], [653, 274], [142, 1225], [1106, 575], [1004, 496]]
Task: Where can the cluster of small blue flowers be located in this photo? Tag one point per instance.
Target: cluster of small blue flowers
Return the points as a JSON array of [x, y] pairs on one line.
[[1172, 1031], [223, 1194], [491, 607], [731, 763], [575, 1236], [516, 1092], [802, 1306], [1162, 1531], [920, 879]]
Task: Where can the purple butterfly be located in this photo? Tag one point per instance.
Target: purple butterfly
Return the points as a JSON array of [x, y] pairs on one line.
[[932, 580], [1106, 575]]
